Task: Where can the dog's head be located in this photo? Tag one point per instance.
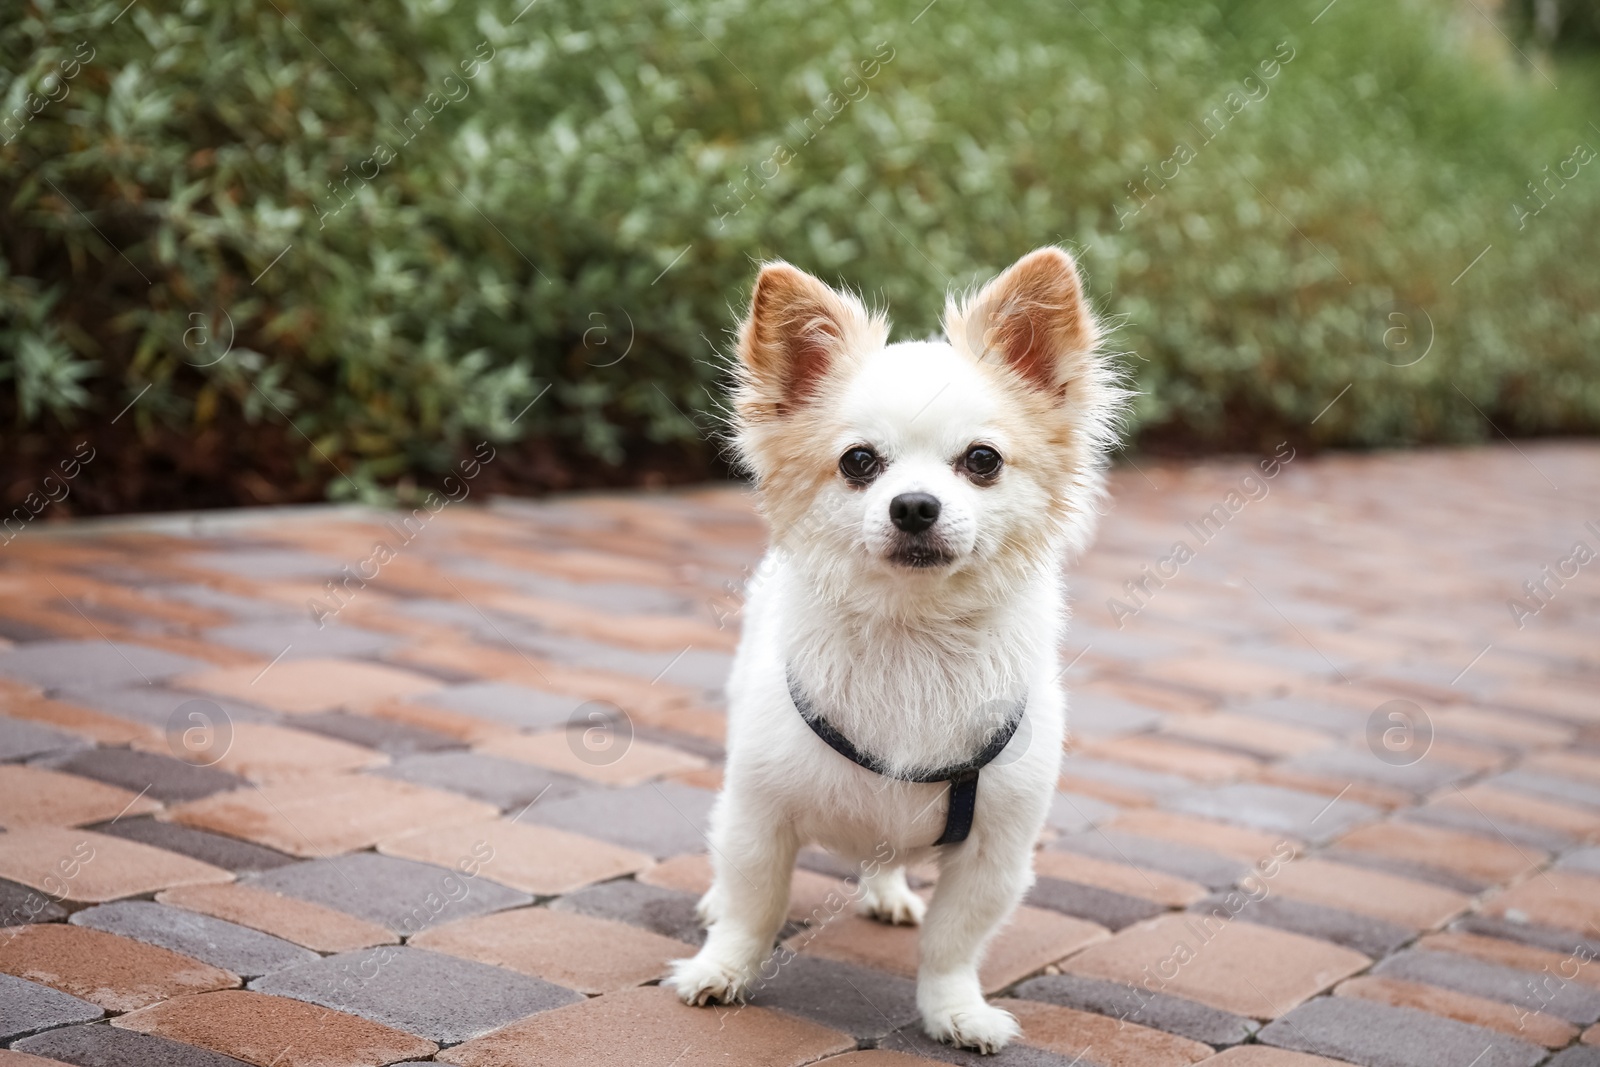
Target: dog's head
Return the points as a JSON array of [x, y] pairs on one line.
[[931, 461]]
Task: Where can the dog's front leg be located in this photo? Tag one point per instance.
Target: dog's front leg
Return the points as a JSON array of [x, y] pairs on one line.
[[753, 858], [980, 882]]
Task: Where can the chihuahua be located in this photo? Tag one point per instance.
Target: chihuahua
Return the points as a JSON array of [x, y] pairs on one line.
[[895, 697]]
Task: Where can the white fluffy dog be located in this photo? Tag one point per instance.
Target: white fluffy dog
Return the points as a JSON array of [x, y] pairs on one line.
[[923, 499]]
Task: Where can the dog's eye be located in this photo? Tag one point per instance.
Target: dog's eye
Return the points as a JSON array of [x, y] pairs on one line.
[[860, 464], [981, 461]]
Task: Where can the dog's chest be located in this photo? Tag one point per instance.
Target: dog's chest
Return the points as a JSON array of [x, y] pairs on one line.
[[912, 700]]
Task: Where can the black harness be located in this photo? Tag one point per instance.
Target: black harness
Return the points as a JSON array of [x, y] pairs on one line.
[[963, 777]]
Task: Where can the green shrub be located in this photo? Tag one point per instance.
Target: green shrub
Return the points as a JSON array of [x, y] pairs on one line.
[[404, 257]]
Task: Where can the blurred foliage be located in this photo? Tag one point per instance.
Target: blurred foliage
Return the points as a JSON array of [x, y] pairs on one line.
[[398, 259], [1560, 24]]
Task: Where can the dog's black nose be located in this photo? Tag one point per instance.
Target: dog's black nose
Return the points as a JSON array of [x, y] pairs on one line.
[[914, 512]]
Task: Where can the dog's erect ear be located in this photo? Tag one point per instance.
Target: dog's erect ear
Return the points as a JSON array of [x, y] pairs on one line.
[[796, 330], [1033, 318]]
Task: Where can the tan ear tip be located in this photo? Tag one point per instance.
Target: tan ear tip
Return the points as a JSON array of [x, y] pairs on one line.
[[1050, 255]]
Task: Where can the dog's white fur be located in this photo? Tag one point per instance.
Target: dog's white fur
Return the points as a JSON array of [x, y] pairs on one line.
[[916, 665]]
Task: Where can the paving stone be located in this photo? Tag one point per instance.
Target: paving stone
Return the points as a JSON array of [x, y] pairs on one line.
[[1099, 1040], [1518, 1021], [116, 973], [1559, 898], [871, 1058], [1404, 868], [1258, 848], [19, 905], [464, 999], [1419, 778], [277, 1031], [403, 896], [28, 1007], [21, 739], [811, 895], [1368, 936], [1376, 1035], [866, 1004], [1550, 786], [164, 778], [299, 921], [1568, 965], [1118, 782], [240, 607], [1174, 755], [534, 859], [311, 685], [1109, 909], [1568, 1000], [302, 639], [1237, 967], [37, 796], [556, 750], [109, 1046], [57, 664], [1118, 1000], [1094, 714], [510, 785], [1553, 938], [1223, 676], [267, 753], [1196, 865], [910, 1040], [1577, 1057], [1367, 892], [1250, 735], [228, 853], [1487, 862], [327, 814], [1265, 1056], [247, 953], [636, 1025], [566, 948], [699, 668], [92, 868], [82, 721], [1583, 860], [1334, 720], [1029, 941], [1071, 813], [518, 706], [384, 735], [1479, 822], [1157, 886], [265, 563], [662, 911], [1383, 797], [1304, 816], [658, 818], [156, 705]]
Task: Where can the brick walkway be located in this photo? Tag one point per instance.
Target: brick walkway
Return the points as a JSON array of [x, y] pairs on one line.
[[1324, 794]]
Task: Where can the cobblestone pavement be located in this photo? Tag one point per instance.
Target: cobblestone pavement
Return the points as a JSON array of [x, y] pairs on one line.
[[1331, 793]]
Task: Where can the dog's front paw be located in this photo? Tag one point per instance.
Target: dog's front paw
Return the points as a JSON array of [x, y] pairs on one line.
[[894, 904], [703, 980], [978, 1026]]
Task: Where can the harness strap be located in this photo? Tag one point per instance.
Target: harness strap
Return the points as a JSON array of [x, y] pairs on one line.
[[963, 777]]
